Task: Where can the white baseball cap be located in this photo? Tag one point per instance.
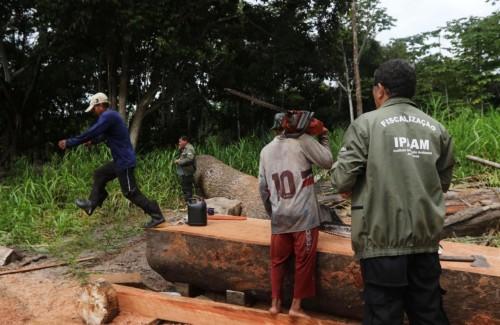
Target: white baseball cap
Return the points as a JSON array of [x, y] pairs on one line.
[[98, 98]]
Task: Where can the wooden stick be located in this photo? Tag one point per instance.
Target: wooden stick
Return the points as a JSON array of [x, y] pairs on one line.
[[47, 266], [483, 161], [225, 217]]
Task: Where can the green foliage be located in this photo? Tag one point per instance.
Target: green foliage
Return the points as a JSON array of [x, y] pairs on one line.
[[242, 155], [474, 133], [38, 203], [465, 73]]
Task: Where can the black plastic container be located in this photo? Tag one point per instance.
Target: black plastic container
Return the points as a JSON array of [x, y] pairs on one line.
[[197, 212]]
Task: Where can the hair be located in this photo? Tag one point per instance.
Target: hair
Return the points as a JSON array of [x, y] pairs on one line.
[[105, 105], [398, 78], [184, 138]]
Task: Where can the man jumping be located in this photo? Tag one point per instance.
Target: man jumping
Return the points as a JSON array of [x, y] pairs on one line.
[[110, 127]]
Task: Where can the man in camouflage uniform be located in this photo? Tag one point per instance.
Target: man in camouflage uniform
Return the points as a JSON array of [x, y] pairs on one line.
[[397, 162], [186, 166]]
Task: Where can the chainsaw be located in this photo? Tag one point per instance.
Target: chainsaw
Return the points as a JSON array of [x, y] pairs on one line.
[[292, 121]]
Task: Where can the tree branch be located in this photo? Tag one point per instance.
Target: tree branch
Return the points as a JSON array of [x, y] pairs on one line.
[[5, 63]]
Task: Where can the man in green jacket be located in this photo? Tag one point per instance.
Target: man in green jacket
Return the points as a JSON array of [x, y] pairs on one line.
[[397, 162], [186, 166]]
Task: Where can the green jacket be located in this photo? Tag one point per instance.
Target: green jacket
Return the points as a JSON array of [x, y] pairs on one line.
[[187, 164], [397, 161]]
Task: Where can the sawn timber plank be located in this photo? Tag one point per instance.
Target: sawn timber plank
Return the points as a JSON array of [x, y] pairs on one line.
[[202, 312]]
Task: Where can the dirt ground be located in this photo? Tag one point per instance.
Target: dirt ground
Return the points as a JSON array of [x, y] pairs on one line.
[[50, 296]]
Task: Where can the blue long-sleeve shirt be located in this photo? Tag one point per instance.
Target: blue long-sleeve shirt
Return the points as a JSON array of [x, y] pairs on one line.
[[111, 128]]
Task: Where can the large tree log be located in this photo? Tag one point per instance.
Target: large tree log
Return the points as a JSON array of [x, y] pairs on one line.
[[235, 256], [218, 179]]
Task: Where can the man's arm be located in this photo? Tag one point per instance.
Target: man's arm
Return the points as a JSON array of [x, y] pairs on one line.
[[265, 195], [351, 160], [98, 139], [189, 159], [91, 133], [446, 161], [317, 152]]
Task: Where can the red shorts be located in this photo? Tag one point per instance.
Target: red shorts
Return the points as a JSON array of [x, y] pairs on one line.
[[303, 245]]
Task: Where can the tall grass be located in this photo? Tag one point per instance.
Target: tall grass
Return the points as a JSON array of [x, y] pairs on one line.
[[37, 202], [37, 208], [474, 133]]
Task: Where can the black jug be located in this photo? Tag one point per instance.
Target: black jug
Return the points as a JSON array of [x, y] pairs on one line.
[[197, 212]]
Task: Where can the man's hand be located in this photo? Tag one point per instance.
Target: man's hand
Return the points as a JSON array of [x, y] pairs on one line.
[[346, 195], [62, 144], [176, 161], [88, 143]]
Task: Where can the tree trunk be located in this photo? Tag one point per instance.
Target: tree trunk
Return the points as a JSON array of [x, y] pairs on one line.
[[235, 255], [123, 91], [348, 89], [339, 101], [217, 179], [238, 126], [189, 120], [5, 63], [355, 59], [143, 105], [111, 69], [135, 127]]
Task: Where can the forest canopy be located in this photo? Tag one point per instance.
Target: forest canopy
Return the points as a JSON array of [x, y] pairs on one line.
[[165, 64]]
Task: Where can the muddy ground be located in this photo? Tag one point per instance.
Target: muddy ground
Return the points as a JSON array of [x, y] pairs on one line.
[[50, 296]]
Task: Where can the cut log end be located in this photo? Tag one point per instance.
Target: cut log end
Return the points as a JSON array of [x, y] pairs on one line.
[[98, 303]]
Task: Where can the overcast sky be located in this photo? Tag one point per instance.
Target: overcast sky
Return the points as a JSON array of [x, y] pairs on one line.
[[416, 16]]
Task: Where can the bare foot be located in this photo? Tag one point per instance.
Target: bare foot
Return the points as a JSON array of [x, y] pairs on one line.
[[275, 306], [298, 313]]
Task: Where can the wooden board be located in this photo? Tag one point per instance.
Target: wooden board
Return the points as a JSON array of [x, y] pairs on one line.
[[235, 256], [197, 311], [134, 278]]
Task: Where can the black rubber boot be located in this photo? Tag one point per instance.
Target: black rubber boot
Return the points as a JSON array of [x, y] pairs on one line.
[[156, 219], [85, 205]]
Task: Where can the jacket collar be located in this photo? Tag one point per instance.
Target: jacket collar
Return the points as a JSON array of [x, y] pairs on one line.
[[398, 100]]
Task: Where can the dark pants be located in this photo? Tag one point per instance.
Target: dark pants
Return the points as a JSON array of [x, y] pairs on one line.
[[398, 284], [106, 173], [187, 186]]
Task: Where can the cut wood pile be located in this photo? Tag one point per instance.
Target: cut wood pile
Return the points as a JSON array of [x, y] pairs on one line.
[[469, 211]]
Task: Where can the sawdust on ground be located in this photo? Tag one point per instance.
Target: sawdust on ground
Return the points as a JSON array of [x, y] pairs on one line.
[[50, 296]]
